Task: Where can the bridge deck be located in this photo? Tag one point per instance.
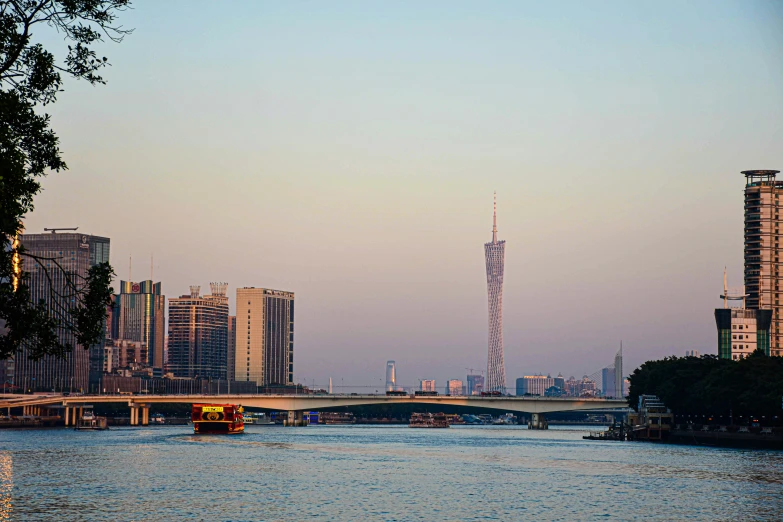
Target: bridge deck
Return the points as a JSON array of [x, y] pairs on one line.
[[315, 402]]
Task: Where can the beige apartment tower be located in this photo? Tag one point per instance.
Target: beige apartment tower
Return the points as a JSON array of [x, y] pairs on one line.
[[264, 349], [762, 248]]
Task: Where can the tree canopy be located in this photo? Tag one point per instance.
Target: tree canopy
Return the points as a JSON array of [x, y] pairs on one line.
[[712, 386], [30, 78]]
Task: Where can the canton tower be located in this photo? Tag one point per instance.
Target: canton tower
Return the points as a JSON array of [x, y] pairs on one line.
[[495, 254]]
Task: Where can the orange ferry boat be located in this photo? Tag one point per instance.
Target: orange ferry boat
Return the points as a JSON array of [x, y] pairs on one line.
[[217, 418]]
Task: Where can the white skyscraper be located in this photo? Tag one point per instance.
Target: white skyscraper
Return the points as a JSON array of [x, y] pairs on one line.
[[391, 376], [495, 252]]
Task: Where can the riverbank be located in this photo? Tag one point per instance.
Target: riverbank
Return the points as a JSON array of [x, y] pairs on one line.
[[728, 439]]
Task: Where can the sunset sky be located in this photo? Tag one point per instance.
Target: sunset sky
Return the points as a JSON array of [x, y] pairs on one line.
[[348, 152]]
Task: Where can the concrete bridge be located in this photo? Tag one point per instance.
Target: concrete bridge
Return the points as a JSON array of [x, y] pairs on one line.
[[296, 404]]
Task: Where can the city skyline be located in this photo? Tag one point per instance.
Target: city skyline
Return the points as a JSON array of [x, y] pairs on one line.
[[620, 189]]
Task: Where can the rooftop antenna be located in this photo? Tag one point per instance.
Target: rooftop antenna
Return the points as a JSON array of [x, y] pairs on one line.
[[152, 270], [130, 267], [725, 290], [495, 219]]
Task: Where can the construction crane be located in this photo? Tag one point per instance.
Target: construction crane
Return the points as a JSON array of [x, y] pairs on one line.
[[54, 230]]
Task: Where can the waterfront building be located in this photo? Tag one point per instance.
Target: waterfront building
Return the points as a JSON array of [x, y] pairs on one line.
[[427, 385], [139, 315], [75, 254], [391, 376], [198, 333], [231, 358], [762, 254], [454, 387], [741, 330], [475, 384], [495, 252], [692, 353], [534, 384], [265, 336]]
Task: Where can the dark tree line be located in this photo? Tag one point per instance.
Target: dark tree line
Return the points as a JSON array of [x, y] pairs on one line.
[[31, 78], [713, 386]]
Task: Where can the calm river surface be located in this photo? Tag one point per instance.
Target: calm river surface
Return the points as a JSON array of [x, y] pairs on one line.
[[376, 473]]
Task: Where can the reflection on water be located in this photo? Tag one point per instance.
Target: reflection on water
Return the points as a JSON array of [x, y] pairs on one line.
[[376, 473], [6, 484]]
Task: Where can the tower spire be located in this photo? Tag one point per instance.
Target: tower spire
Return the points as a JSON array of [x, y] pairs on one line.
[[495, 219]]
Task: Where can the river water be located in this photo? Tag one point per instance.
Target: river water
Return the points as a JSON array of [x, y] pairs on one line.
[[377, 473]]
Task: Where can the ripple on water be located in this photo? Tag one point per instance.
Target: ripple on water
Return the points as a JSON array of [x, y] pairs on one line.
[[376, 473]]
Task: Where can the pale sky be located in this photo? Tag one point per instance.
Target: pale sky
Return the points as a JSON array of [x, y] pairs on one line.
[[348, 152]]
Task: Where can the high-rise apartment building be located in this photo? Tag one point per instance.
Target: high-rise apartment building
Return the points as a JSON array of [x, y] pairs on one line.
[[264, 336], [75, 254], [139, 315], [454, 387], [391, 376], [198, 333], [232, 347], [534, 384], [762, 249], [475, 384], [495, 252], [427, 385]]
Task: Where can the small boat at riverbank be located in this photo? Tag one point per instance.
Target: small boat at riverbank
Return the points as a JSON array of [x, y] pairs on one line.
[[428, 420]]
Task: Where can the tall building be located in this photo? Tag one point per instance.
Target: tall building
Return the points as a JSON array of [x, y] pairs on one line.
[[391, 376], [232, 347], [495, 252], [198, 333], [454, 387], [264, 336], [75, 254], [139, 315], [427, 385], [619, 387], [534, 384], [475, 384], [607, 382], [762, 248]]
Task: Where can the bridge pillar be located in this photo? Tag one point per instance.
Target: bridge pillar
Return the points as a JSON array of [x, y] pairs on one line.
[[537, 422], [295, 418], [145, 416], [134, 416], [67, 415]]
